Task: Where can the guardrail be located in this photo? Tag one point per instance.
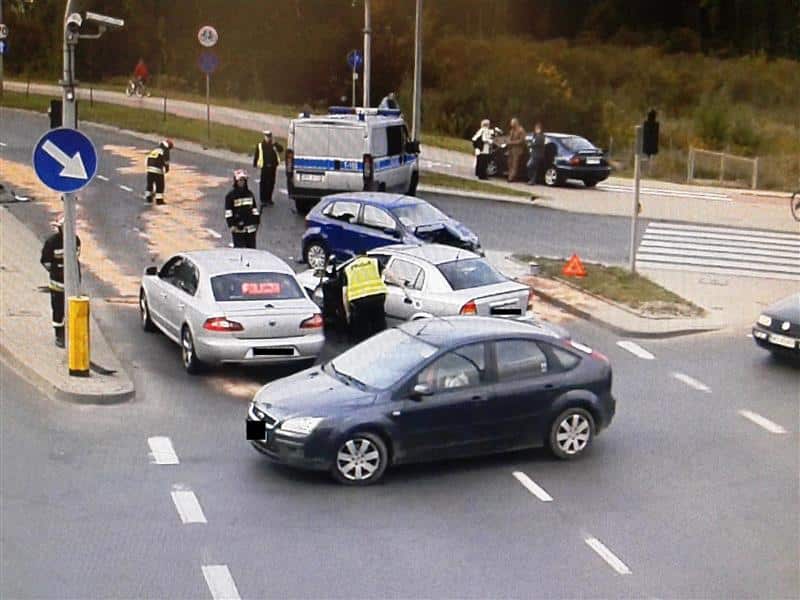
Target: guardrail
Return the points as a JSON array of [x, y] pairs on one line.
[[717, 163]]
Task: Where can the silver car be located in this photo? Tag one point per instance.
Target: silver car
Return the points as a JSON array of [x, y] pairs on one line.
[[231, 306], [434, 280]]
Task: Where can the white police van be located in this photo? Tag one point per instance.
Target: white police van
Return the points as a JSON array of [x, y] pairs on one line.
[[349, 149]]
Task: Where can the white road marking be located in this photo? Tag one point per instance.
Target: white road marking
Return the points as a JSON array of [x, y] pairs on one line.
[[161, 451], [762, 421], [102, 177], [213, 233], [793, 237], [750, 335], [3, 144], [533, 487], [220, 582], [635, 349], [188, 506], [692, 382], [608, 556], [126, 188]]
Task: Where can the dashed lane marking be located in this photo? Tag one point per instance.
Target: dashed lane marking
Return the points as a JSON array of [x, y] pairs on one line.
[[125, 188], [161, 451], [3, 144], [692, 382], [102, 178], [533, 487], [214, 234], [770, 426], [220, 582], [635, 349], [613, 561], [188, 506]]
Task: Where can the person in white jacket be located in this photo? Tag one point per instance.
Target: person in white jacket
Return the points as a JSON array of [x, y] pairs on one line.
[[482, 142]]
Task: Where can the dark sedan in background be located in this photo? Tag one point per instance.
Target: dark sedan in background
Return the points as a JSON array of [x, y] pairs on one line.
[[432, 389], [567, 156], [778, 327]]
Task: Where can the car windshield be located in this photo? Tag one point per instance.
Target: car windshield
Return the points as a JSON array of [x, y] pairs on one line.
[[255, 286], [421, 213], [470, 273], [576, 144], [382, 360]]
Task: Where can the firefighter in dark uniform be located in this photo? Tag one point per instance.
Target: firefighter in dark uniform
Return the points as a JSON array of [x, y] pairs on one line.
[[266, 159], [364, 297], [157, 167], [241, 212], [53, 260]]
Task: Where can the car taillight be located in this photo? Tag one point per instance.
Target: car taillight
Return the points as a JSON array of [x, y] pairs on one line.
[[469, 308], [314, 322], [368, 171], [600, 356], [222, 324], [575, 160], [289, 162], [531, 298]]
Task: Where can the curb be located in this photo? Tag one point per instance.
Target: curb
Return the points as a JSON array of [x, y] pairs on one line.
[[32, 376]]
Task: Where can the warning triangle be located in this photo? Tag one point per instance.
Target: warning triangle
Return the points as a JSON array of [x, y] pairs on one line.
[[574, 267]]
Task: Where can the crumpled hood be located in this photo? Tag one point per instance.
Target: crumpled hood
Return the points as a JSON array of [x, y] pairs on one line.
[[787, 309], [440, 232], [309, 393]]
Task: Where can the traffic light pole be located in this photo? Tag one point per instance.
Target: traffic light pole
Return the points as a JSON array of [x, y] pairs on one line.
[[637, 172], [367, 50], [416, 117]]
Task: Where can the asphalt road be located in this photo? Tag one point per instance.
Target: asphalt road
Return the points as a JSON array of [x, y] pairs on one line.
[[683, 496]]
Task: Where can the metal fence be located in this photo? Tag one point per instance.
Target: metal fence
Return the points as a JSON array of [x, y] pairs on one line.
[[704, 165]]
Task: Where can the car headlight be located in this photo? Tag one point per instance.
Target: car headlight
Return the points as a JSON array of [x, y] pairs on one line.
[[765, 320], [300, 425]]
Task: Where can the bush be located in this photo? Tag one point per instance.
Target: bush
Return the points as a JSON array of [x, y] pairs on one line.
[[712, 122]]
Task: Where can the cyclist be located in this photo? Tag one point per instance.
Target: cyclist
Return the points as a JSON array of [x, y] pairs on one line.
[[140, 75]]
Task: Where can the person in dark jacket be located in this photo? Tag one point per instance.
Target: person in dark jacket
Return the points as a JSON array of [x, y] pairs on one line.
[[536, 162], [241, 212], [52, 259], [266, 158], [157, 167]]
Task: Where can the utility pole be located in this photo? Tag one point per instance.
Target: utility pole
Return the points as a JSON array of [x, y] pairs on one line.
[[417, 116], [367, 50], [1, 53], [637, 173]]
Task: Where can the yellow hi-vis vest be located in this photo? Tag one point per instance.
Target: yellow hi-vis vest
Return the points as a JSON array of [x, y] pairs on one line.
[[363, 279]]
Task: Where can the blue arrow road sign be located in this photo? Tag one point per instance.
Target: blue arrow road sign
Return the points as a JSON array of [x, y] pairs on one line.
[[354, 59], [208, 62], [64, 160]]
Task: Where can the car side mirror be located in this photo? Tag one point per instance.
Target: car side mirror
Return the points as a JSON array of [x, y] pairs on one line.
[[391, 231], [420, 391], [151, 271], [412, 147]]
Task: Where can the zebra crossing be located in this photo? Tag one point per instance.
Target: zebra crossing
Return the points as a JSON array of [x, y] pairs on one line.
[[720, 250], [667, 192]]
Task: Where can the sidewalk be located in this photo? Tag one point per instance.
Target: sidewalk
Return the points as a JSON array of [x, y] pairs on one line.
[[745, 208], [26, 334]]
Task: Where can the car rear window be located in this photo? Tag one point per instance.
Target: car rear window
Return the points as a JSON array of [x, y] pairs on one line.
[[576, 144], [255, 286], [470, 273]]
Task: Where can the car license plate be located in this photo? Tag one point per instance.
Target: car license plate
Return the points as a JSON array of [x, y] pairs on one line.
[[257, 430], [310, 177], [781, 340], [592, 160]]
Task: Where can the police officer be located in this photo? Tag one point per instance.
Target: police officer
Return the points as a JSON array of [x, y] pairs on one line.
[[157, 167], [241, 212], [53, 260], [364, 295], [266, 158]]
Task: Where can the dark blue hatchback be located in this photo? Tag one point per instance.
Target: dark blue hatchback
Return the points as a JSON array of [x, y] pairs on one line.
[[348, 224]]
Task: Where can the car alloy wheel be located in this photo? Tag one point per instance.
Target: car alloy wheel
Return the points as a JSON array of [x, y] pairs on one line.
[[316, 255], [571, 433], [190, 361], [551, 176], [144, 313], [361, 460]]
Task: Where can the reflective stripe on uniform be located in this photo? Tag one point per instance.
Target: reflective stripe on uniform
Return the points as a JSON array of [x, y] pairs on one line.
[[248, 201], [363, 279], [228, 213], [57, 286], [156, 170], [58, 324], [260, 161], [245, 229]]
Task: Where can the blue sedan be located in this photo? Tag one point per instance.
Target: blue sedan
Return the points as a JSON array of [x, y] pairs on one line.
[[349, 224]]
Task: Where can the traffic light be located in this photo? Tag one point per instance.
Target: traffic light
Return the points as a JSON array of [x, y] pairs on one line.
[[650, 134]]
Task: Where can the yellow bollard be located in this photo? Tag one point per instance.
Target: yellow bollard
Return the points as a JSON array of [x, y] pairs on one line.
[[78, 329]]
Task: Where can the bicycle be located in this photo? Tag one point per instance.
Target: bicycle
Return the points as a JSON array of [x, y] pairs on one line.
[[136, 87], [794, 203]]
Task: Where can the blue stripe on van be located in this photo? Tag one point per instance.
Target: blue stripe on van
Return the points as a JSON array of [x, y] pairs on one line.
[[329, 164]]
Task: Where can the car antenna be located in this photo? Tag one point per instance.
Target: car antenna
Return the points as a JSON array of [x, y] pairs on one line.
[[433, 318]]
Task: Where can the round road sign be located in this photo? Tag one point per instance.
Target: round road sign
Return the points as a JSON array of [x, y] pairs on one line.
[[207, 36]]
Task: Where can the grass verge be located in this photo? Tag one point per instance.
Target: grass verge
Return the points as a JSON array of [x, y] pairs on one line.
[[619, 285], [222, 136]]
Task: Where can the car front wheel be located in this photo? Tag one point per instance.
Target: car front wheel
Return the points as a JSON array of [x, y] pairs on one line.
[[551, 177], [191, 363], [316, 255], [571, 433], [360, 460], [590, 182], [144, 313]]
